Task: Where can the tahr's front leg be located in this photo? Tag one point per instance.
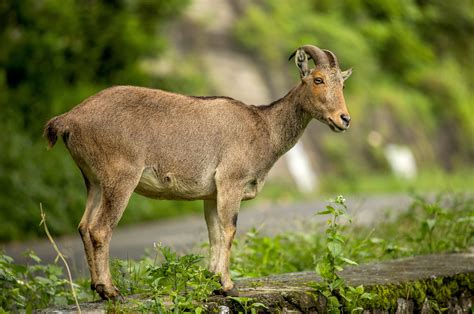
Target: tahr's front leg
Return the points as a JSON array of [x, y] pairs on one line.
[[228, 205]]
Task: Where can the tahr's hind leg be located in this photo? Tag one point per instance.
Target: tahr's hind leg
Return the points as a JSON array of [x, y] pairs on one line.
[[116, 192], [93, 202], [212, 221]]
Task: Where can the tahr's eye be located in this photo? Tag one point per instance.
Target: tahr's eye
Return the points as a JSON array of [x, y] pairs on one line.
[[318, 81]]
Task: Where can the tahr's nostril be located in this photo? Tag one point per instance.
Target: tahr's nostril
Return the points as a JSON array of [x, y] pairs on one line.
[[346, 119]]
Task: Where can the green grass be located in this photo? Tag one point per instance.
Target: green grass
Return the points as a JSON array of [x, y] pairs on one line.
[[432, 180], [171, 282], [64, 219], [35, 285], [445, 225], [427, 181]]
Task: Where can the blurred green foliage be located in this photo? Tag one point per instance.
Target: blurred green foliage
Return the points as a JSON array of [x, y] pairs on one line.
[[443, 224], [412, 79], [55, 54], [412, 83]]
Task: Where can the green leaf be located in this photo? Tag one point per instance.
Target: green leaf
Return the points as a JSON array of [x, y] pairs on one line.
[[338, 268], [376, 240], [334, 305], [338, 282], [431, 223], [198, 310], [359, 289], [344, 295], [340, 238], [368, 296], [466, 219], [335, 248], [349, 261], [324, 212], [258, 304], [323, 269], [33, 256]]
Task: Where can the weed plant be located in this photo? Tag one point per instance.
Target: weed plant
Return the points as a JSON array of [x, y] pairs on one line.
[[182, 279], [172, 283], [34, 286], [175, 284], [332, 287], [443, 225], [248, 305]]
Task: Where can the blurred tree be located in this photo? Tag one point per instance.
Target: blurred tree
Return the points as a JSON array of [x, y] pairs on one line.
[[54, 54], [412, 83], [411, 71]]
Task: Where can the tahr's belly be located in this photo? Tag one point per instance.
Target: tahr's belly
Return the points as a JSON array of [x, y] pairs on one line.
[[175, 186]]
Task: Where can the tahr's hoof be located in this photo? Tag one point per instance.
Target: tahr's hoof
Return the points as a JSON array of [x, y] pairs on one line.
[[118, 298], [109, 294], [234, 292], [218, 292]]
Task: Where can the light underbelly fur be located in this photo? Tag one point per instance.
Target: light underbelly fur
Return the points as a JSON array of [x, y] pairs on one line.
[[173, 186]]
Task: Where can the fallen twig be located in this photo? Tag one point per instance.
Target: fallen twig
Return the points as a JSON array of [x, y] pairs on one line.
[[60, 255]]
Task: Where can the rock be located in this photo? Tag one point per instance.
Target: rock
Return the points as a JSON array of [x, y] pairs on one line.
[[411, 285], [223, 309], [405, 306]]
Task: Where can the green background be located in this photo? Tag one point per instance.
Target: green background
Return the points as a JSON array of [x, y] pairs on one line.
[[412, 83]]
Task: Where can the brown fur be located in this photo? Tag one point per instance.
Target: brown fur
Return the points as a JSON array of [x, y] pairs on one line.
[[170, 146]]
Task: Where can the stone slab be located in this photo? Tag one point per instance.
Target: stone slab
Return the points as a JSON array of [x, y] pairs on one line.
[[292, 293]]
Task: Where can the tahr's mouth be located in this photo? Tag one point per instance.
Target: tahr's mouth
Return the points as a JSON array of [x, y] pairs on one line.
[[333, 126]]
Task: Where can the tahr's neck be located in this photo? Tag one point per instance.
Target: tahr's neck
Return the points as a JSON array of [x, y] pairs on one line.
[[286, 121]]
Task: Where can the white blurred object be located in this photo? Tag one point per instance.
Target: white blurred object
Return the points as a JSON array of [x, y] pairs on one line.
[[223, 309], [300, 168], [375, 138], [401, 161]]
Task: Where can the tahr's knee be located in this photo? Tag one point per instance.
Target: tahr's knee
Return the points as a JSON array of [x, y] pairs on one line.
[[83, 229], [229, 234], [99, 235]]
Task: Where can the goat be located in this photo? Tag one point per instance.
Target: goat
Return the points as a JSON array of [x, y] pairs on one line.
[[163, 145]]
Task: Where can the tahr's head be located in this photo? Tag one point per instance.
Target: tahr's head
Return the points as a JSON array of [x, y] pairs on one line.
[[321, 93]]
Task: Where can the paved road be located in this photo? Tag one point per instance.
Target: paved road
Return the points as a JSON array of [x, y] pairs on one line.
[[186, 234]]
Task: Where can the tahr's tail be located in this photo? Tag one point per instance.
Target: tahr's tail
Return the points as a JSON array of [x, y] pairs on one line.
[[52, 129]]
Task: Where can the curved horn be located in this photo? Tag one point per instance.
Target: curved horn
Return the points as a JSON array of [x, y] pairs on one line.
[[316, 54], [332, 58]]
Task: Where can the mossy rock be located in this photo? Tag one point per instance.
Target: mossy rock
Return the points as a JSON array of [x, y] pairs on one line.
[[422, 284], [428, 283]]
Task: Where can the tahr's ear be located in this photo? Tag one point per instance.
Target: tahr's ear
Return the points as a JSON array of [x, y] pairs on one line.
[[301, 60], [346, 74]]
